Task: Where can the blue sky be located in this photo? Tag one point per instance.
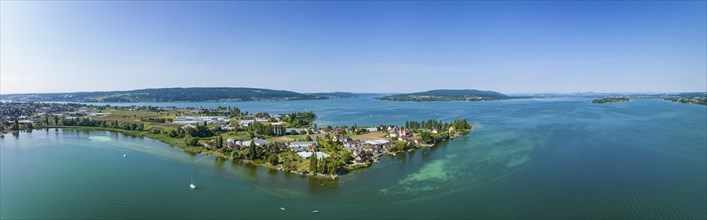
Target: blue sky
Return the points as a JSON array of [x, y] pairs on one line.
[[511, 47]]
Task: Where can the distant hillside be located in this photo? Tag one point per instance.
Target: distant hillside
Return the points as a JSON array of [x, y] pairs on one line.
[[447, 95], [196, 94], [334, 95]]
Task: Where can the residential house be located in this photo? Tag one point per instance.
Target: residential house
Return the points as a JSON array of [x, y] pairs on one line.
[[300, 146], [258, 142]]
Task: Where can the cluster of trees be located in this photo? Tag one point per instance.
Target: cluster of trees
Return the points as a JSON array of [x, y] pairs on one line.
[[158, 120], [268, 153], [87, 122], [327, 165], [191, 141], [260, 129], [201, 130], [221, 110], [400, 146], [427, 137], [299, 119], [429, 124], [218, 141], [15, 125], [462, 124], [191, 135]]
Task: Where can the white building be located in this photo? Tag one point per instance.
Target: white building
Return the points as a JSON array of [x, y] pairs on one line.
[[320, 155], [377, 142], [258, 142], [200, 119], [299, 146], [245, 122]]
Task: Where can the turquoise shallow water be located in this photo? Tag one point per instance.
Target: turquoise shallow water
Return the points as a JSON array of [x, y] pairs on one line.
[[535, 158]]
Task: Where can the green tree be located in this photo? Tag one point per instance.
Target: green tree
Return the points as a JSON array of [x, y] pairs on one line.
[[287, 164], [191, 141], [218, 142], [347, 157], [273, 159], [425, 137], [253, 152], [307, 138], [313, 163], [16, 125], [401, 145]]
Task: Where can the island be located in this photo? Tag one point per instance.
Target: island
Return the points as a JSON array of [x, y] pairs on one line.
[[288, 142], [192, 94], [606, 100], [699, 98], [447, 95]]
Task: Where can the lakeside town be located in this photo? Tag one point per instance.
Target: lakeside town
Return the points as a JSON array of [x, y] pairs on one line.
[[288, 142]]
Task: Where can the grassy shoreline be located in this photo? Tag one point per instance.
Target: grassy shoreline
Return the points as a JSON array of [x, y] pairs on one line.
[[188, 149], [158, 137]]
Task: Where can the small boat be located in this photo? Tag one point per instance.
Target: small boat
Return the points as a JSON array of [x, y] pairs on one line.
[[125, 155], [315, 211], [192, 185], [283, 209]]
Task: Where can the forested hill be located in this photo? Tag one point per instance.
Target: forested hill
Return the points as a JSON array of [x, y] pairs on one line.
[[335, 95], [195, 94], [447, 95]]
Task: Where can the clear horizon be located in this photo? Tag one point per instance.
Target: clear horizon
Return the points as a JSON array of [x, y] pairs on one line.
[[360, 47]]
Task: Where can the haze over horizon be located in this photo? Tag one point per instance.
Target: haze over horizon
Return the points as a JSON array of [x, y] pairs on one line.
[[364, 47]]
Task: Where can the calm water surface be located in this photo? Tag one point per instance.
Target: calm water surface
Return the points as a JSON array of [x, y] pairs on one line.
[[536, 158]]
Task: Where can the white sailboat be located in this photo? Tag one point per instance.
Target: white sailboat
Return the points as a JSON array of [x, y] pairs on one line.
[[192, 185]]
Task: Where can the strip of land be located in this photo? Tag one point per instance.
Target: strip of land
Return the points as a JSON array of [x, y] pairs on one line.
[[288, 142], [606, 100], [447, 95]]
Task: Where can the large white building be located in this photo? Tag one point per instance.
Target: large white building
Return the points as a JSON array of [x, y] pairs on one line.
[[300, 146], [200, 119], [320, 155]]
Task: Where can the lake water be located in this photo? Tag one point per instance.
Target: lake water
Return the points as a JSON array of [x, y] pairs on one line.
[[531, 158]]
